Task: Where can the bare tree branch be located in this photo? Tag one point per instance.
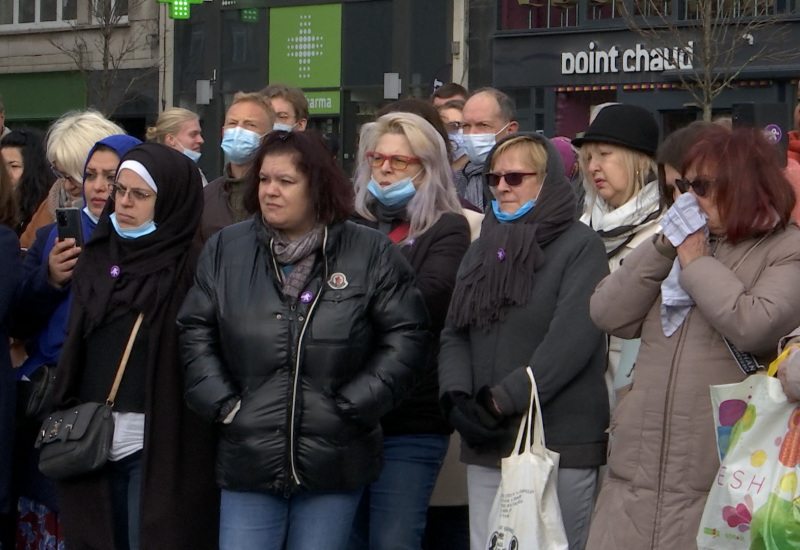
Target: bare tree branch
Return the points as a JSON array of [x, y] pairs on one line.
[[721, 37], [110, 40]]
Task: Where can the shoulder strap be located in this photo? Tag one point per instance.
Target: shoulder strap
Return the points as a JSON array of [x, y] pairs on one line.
[[124, 363]]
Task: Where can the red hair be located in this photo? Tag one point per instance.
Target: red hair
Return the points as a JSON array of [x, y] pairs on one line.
[[750, 186]]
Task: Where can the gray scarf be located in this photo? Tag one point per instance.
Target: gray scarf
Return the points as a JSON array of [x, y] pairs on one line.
[[300, 255]]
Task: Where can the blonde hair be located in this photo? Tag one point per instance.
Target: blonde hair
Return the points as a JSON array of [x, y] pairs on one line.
[[535, 153], [169, 124], [641, 170], [72, 136], [257, 98], [436, 192]]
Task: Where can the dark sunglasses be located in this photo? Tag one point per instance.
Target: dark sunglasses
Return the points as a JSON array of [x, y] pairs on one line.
[[699, 185], [512, 178]]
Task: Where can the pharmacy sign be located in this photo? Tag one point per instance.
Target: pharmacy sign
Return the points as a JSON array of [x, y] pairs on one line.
[[305, 46]]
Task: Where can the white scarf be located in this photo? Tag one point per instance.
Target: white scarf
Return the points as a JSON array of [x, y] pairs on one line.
[[680, 221], [618, 226]]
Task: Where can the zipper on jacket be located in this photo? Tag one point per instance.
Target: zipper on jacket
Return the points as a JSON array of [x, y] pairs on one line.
[[295, 476], [287, 461], [668, 401]]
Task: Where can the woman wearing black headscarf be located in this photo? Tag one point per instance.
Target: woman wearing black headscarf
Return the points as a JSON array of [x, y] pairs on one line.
[[157, 490], [522, 298]]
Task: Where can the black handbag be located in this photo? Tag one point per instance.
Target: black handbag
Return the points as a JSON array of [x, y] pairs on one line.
[[76, 441], [34, 396]]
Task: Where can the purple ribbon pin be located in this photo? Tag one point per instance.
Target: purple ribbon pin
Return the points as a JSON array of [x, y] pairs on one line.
[[306, 297], [501, 254], [114, 271]]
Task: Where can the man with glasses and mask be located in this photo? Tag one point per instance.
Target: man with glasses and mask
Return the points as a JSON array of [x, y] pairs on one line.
[[290, 106], [488, 115], [249, 118]]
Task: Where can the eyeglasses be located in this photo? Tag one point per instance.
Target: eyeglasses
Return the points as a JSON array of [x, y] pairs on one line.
[[62, 176], [699, 185], [512, 178], [397, 162], [118, 192], [453, 127]]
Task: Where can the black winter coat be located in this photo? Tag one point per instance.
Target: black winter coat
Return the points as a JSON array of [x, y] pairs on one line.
[[314, 376], [435, 256], [11, 274]]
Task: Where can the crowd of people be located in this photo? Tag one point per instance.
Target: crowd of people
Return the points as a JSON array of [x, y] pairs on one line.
[[315, 359]]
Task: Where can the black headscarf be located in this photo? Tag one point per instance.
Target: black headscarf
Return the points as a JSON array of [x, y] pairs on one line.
[[155, 273], [116, 275], [501, 274]]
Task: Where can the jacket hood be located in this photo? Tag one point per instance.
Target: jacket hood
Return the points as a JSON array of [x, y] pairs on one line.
[[555, 166]]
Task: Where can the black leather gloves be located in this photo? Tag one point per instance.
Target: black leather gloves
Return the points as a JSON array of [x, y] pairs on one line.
[[476, 425]]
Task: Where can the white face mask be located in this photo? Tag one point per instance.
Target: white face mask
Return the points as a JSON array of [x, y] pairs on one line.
[[479, 145], [194, 155], [457, 142], [283, 127]]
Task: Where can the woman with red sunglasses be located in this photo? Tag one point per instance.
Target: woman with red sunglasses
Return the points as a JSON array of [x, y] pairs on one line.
[[720, 281], [404, 189]]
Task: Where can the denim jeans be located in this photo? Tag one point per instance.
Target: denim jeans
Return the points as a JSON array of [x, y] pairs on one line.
[[273, 522], [125, 477], [393, 510]]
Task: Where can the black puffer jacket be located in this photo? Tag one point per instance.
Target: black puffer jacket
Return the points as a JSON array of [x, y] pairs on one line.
[[314, 378]]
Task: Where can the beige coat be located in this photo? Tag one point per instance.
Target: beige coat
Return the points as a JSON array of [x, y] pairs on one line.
[[662, 455]]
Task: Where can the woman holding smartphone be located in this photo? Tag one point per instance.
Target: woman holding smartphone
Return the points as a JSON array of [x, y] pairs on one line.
[[41, 311]]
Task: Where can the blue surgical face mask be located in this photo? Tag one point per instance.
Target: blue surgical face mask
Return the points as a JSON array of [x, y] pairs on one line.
[[132, 232], [283, 127], [504, 217], [479, 145], [194, 155], [240, 144], [394, 195], [457, 141]]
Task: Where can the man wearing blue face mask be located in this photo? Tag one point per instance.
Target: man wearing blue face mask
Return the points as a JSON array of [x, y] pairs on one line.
[[290, 106], [488, 115], [248, 119]]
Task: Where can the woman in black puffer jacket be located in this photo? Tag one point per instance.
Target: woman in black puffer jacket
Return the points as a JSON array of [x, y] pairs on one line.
[[301, 331]]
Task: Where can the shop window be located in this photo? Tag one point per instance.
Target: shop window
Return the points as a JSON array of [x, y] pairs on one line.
[[732, 9], [110, 10], [605, 9], [42, 13], [537, 14], [36, 14], [652, 8]]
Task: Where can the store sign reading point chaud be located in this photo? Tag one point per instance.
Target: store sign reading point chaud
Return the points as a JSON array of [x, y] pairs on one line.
[[638, 59]]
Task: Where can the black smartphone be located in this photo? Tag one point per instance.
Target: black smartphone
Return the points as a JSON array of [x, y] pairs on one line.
[[69, 224]]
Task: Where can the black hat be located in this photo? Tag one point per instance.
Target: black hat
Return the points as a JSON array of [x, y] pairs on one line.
[[626, 125]]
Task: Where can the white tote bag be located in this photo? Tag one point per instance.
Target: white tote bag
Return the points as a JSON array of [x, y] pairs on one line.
[[752, 504], [526, 513]]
